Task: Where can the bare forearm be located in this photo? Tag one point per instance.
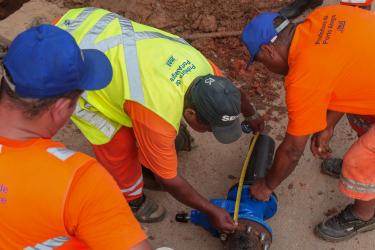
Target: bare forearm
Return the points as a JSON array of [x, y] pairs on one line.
[[286, 159], [246, 107], [182, 191], [284, 164]]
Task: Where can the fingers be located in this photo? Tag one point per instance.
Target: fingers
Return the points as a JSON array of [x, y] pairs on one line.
[[261, 198], [320, 147], [324, 152], [230, 226], [313, 146], [258, 195], [257, 125]]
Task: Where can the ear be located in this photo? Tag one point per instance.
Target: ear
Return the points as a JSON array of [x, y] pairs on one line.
[[190, 116], [266, 51], [61, 110]]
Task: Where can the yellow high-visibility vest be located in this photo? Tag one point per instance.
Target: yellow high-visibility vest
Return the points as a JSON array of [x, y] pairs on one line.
[[150, 66]]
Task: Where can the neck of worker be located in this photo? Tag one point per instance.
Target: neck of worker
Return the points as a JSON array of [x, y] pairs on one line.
[[16, 126], [187, 97], [288, 38]]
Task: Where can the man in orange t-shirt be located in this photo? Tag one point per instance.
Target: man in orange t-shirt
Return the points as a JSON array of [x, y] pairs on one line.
[[326, 60], [50, 196]]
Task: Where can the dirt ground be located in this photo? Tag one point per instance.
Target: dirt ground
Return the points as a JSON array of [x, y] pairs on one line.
[[305, 198]]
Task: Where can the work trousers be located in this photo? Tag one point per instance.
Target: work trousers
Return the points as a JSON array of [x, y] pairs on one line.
[[120, 158], [357, 179]]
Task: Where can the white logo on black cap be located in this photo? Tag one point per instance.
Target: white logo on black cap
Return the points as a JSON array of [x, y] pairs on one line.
[[228, 118], [209, 81]]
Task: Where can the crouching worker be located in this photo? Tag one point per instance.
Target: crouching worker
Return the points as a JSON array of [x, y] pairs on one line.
[[319, 90], [158, 79], [52, 197]]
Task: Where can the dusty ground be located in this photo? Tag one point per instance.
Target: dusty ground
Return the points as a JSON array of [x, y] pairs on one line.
[[305, 198]]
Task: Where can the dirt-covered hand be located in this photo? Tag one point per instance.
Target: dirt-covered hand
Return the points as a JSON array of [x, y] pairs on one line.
[[320, 143], [257, 125], [260, 191], [221, 220]]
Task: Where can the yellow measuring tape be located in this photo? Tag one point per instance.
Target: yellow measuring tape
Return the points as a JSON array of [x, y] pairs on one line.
[[243, 174]]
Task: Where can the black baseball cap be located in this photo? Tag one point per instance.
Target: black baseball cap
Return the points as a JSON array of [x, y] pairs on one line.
[[218, 102]]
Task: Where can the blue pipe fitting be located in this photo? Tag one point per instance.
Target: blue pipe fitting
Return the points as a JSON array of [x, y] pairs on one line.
[[250, 209]]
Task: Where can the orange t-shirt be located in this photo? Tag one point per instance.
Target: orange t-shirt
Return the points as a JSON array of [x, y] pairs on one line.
[[156, 137], [331, 59], [93, 210]]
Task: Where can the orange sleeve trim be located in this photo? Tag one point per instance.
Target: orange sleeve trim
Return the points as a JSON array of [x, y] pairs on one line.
[[156, 140], [56, 21], [217, 70]]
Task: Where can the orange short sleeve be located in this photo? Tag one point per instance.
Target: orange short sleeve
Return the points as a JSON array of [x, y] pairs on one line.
[[307, 109], [217, 70], [56, 21], [156, 140], [97, 214]]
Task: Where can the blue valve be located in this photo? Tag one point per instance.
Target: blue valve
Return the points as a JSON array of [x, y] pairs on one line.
[[250, 209]]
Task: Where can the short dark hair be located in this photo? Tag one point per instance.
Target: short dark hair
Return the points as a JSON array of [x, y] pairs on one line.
[[32, 108]]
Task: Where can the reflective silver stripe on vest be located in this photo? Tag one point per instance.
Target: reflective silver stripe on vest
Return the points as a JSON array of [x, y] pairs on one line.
[[131, 59], [150, 35], [74, 24], [50, 244], [128, 39], [357, 186], [97, 120], [88, 41]]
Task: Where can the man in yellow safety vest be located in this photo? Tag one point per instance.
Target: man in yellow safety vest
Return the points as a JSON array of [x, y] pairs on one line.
[[158, 78]]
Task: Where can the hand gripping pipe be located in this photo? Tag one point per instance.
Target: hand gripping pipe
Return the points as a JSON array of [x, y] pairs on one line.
[[253, 232]]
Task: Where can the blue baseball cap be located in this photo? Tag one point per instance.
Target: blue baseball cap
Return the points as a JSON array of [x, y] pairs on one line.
[[261, 30], [45, 61]]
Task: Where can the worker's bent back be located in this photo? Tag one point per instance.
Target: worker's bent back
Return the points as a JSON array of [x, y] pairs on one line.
[[150, 67]]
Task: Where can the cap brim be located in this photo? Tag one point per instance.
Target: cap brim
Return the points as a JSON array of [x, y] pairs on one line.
[[228, 134], [98, 70]]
